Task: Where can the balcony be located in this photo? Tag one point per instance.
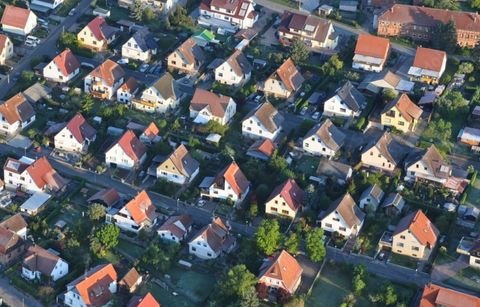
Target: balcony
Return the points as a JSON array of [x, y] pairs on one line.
[[386, 240], [99, 95]]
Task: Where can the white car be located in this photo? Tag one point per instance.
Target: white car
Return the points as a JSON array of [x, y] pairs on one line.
[[316, 115], [72, 12], [201, 203], [122, 61]]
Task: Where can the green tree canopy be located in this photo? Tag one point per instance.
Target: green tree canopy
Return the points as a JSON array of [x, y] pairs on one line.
[[237, 283], [332, 66], [315, 246], [104, 239], [96, 212], [466, 68], [445, 37], [292, 243], [299, 51], [268, 236]]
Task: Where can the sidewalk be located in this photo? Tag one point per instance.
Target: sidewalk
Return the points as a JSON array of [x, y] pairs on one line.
[[13, 297]]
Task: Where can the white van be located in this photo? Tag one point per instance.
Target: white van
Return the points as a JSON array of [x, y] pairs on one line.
[[32, 39], [30, 44]]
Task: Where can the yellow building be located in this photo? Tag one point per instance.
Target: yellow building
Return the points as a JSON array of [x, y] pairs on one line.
[[401, 113], [285, 200], [188, 58], [97, 34]]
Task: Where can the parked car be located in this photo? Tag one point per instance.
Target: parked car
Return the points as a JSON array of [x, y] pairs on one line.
[[122, 61], [5, 69], [316, 115], [72, 12], [143, 67]]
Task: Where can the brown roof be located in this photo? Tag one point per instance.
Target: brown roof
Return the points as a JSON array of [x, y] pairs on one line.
[[217, 235], [108, 196], [388, 148], [434, 160], [425, 16], [44, 175], [418, 224], [317, 27], [373, 46], [109, 71], [235, 178], [141, 208], [80, 128], [270, 118], [183, 161], [215, 103], [17, 108], [172, 224], [289, 75], [285, 268], [130, 86], [132, 146], [14, 223], [191, 52], [348, 210], [131, 278], [66, 62], [430, 59], [409, 110], [165, 85], [239, 63], [93, 286], [434, 295], [329, 134], [41, 260], [8, 240], [15, 16], [290, 192], [3, 42]]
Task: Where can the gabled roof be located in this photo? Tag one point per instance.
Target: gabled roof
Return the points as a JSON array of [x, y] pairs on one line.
[[130, 86], [14, 223], [141, 208], [291, 193], [388, 148], [100, 29], [347, 209], [264, 146], [131, 145], [418, 224], [3, 42], [14, 16], [268, 116], [433, 159], [434, 295], [317, 27], [233, 175], [131, 278], [330, 168], [217, 235], [151, 131], [67, 62], [145, 40], [109, 71], [80, 129], [394, 200], [8, 240], [409, 110], [108, 196], [165, 85], [93, 285], [351, 96], [283, 267], [239, 63], [374, 191], [146, 301], [215, 103], [372, 46], [191, 52], [183, 161], [17, 108], [328, 133], [430, 59], [40, 260], [175, 223], [289, 75]]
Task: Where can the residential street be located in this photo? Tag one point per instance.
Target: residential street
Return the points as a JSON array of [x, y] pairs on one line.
[[13, 297]]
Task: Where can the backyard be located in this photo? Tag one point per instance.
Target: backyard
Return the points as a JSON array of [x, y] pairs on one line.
[[473, 191]]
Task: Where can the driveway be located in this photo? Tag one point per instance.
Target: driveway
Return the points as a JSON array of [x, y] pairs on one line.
[[13, 297], [448, 270]]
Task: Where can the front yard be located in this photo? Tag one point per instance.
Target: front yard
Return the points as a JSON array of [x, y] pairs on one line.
[[468, 278]]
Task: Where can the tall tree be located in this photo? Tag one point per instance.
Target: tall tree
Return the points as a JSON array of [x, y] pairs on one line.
[[236, 283], [96, 212], [268, 236], [315, 246], [299, 51], [445, 37], [137, 11], [104, 239], [292, 243]]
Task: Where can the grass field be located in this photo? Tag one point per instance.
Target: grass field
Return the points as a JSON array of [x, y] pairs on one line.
[[473, 191], [195, 285], [131, 249], [164, 296]]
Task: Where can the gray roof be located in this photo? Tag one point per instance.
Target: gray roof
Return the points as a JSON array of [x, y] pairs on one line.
[[145, 40], [351, 97], [388, 147], [348, 210], [333, 169], [373, 191], [328, 133], [433, 159], [165, 85], [395, 200]]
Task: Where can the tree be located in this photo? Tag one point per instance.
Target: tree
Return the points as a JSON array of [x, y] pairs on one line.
[[137, 11], [68, 40], [445, 37], [292, 243], [466, 68], [253, 210], [442, 4], [159, 256], [176, 125], [249, 298], [96, 212], [475, 4], [268, 236], [358, 284], [295, 302], [215, 127], [236, 283], [314, 244], [299, 51], [148, 15], [180, 18], [87, 104], [332, 66], [104, 239], [389, 95]]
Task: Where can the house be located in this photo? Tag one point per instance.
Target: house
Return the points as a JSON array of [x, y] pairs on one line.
[[371, 198], [415, 236], [188, 58], [16, 114], [371, 53], [474, 254], [286, 200], [384, 153], [63, 68], [161, 96], [419, 23], [283, 82], [236, 70], [137, 214], [428, 65], [141, 46], [401, 113], [127, 153], [340, 172], [469, 136], [176, 228], [32, 176], [349, 6], [131, 281], [18, 21], [230, 15], [11, 246], [6, 49], [343, 216], [393, 204], [212, 240], [377, 82], [180, 167], [264, 122], [106, 197], [16, 224], [146, 301], [428, 165], [40, 262], [262, 149], [434, 295], [229, 184], [76, 136], [104, 81], [93, 288], [45, 4], [347, 102], [150, 134], [315, 32], [128, 90], [280, 274], [324, 139], [97, 35], [206, 106]]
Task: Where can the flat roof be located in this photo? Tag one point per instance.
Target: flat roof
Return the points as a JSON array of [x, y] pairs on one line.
[[37, 200]]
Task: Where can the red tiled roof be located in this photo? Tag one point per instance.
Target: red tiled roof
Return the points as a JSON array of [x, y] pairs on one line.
[[109, 71], [235, 178], [434, 296], [14, 223], [141, 208], [8, 239], [172, 225], [146, 301], [80, 128], [265, 146], [373, 46], [420, 226], [151, 131], [15, 16], [17, 108], [132, 146], [289, 75], [409, 110], [131, 278], [43, 174], [66, 62], [96, 27], [3, 42], [93, 289], [108, 196], [430, 59], [285, 268], [290, 192]]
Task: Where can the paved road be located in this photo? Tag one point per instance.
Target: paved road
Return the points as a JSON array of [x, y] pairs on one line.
[[47, 47], [13, 297]]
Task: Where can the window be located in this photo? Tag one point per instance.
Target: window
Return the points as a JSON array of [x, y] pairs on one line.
[[400, 244], [209, 255], [194, 248], [342, 229], [402, 237], [477, 261], [274, 209], [285, 212], [328, 225], [415, 248], [400, 123], [336, 219]]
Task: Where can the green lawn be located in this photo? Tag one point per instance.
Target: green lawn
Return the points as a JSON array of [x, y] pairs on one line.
[[467, 278], [164, 296], [403, 261], [308, 165], [118, 13], [131, 249], [473, 191], [197, 286]]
